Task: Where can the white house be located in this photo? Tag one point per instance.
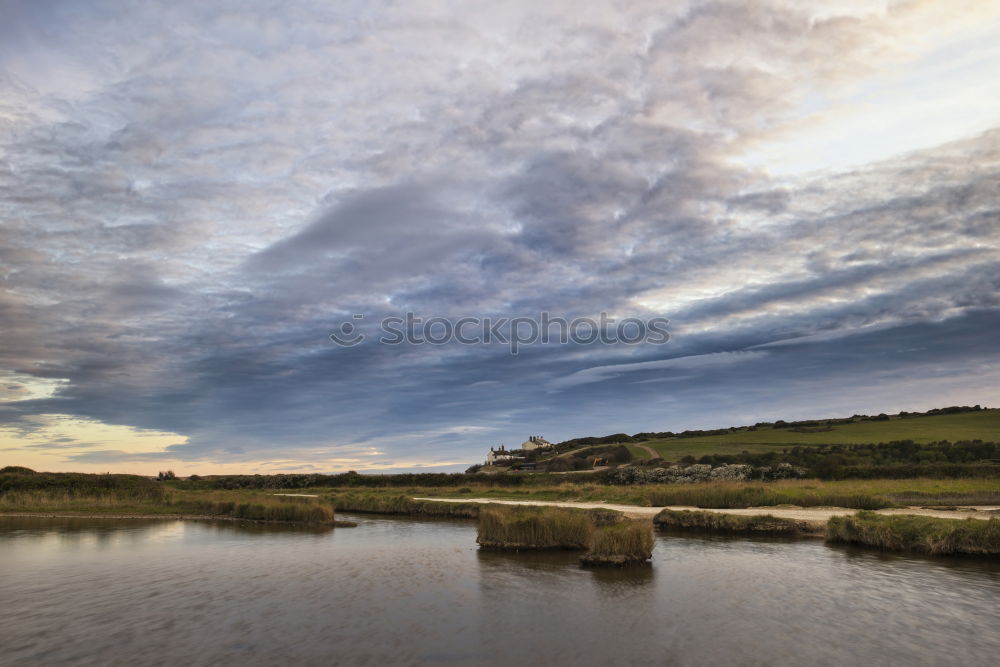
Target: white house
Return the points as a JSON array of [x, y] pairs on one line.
[[498, 455], [535, 442]]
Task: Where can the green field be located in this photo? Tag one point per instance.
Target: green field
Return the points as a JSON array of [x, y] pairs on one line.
[[980, 425]]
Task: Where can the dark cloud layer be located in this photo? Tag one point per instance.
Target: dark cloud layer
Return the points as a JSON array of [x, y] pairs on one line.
[[187, 212]]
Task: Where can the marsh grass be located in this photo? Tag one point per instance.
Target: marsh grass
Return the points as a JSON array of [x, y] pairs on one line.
[[520, 527], [732, 495], [714, 522], [252, 506], [397, 503], [920, 534], [621, 543], [855, 494], [41, 500], [19, 486], [228, 504]]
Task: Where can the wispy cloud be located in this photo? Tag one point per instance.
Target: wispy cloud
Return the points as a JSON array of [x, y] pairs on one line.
[[188, 212]]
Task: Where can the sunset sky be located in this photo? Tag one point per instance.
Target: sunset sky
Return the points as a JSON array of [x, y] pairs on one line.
[[194, 195]]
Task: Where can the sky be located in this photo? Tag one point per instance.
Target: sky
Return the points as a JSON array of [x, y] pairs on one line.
[[194, 196]]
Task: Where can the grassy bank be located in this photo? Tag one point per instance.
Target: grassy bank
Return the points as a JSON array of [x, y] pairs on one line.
[[917, 533], [979, 425], [393, 502], [729, 495], [167, 501], [855, 494], [622, 543], [533, 528], [131, 493], [713, 522]]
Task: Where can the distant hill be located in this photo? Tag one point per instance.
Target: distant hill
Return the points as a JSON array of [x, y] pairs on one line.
[[957, 423]]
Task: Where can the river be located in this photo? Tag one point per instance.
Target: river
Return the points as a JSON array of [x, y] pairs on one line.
[[401, 591]]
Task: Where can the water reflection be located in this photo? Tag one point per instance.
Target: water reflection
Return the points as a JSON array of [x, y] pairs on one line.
[[419, 591], [532, 563]]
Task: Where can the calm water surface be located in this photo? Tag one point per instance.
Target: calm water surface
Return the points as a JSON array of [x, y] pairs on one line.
[[408, 592]]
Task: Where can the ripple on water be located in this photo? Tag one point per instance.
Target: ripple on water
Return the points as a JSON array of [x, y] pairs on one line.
[[407, 591]]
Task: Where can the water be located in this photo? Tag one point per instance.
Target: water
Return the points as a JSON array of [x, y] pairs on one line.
[[407, 592]]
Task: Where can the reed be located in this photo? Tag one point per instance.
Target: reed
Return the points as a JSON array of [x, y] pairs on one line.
[[734, 494], [919, 534], [622, 543], [254, 507], [395, 503], [520, 527], [41, 500], [714, 522], [228, 504], [73, 486]]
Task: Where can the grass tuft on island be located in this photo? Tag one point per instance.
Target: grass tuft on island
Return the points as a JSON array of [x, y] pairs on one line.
[[524, 527], [624, 543], [714, 522], [919, 534]]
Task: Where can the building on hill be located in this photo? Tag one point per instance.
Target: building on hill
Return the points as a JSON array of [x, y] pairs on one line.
[[500, 455], [536, 442]]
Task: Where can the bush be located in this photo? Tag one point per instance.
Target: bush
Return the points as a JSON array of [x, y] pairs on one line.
[[21, 470]]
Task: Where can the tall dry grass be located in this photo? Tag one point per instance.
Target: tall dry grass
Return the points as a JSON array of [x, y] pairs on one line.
[[230, 504], [714, 522], [724, 495], [620, 544], [396, 503], [520, 527], [920, 534]]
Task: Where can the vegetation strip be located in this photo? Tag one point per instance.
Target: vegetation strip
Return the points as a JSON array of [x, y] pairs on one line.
[[99, 495], [516, 528], [717, 522], [175, 517], [917, 533], [624, 543]]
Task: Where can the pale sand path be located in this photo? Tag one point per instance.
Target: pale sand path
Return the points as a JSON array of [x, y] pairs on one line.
[[653, 454], [816, 514]]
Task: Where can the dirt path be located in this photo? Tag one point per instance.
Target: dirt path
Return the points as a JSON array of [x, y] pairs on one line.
[[653, 454], [816, 514]]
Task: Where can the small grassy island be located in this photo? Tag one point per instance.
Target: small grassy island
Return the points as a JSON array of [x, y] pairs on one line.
[[919, 534], [606, 536], [714, 522]]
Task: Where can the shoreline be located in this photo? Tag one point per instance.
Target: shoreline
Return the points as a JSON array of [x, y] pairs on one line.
[[49, 514], [813, 514]]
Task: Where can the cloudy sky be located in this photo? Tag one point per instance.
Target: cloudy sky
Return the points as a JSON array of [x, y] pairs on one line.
[[194, 195]]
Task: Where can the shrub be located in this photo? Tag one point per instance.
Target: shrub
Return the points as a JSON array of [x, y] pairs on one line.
[[17, 469]]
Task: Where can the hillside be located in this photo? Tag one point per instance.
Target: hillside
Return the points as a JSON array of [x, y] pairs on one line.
[[970, 425]]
